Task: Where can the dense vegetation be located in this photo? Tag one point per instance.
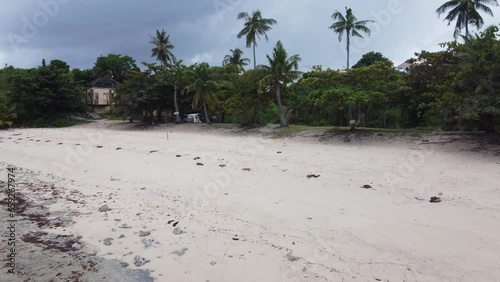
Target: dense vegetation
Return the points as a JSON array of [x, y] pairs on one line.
[[456, 88]]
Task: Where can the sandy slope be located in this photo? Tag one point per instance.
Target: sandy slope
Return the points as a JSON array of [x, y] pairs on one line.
[[259, 218]]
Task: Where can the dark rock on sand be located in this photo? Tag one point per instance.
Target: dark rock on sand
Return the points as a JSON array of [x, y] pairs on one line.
[[436, 200]]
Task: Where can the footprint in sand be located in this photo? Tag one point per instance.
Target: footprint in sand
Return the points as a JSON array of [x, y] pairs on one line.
[[180, 252], [99, 147], [197, 158], [199, 164], [59, 144], [118, 149]]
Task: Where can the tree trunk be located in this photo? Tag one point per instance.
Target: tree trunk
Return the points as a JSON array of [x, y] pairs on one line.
[[222, 117], [280, 106], [348, 48], [350, 112], [467, 25], [178, 116], [486, 123], [207, 118], [254, 60], [158, 118]]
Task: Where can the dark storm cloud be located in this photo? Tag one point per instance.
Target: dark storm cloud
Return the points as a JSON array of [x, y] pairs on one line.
[[78, 31]]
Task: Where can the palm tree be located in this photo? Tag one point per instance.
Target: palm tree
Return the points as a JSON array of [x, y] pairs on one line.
[[205, 87], [281, 71], [235, 58], [162, 47], [465, 13], [176, 70], [255, 26], [350, 25]]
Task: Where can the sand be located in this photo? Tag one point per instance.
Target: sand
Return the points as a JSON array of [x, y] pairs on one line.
[[228, 205]]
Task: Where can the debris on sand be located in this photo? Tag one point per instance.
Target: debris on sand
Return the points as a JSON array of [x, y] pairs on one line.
[[292, 258], [178, 156], [436, 200], [76, 247], [313, 176], [118, 149], [154, 151], [200, 164], [177, 231], [197, 158], [279, 152], [108, 241], [222, 165], [148, 242], [104, 208], [367, 186], [99, 147], [419, 198], [140, 261], [125, 226], [247, 169]]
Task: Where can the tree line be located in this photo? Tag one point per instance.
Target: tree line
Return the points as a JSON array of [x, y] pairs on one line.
[[456, 88]]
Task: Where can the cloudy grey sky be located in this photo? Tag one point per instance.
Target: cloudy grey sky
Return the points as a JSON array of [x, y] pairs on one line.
[[78, 31]]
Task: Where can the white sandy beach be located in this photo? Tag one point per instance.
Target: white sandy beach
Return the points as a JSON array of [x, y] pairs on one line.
[[251, 214]]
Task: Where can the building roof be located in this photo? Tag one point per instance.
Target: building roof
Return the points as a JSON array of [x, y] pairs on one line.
[[104, 82]]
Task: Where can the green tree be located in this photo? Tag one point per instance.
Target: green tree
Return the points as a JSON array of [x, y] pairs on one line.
[[350, 25], [281, 71], [203, 82], [476, 87], [143, 93], [369, 59], [44, 93], [255, 26], [465, 13], [177, 70], [236, 58], [162, 47], [114, 66]]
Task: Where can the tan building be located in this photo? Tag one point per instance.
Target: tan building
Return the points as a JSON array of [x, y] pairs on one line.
[[100, 94]]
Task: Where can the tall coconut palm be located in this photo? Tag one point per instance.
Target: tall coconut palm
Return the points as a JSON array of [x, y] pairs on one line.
[[236, 58], [465, 13], [350, 25], [255, 27], [162, 47], [205, 87], [176, 71], [280, 72]]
